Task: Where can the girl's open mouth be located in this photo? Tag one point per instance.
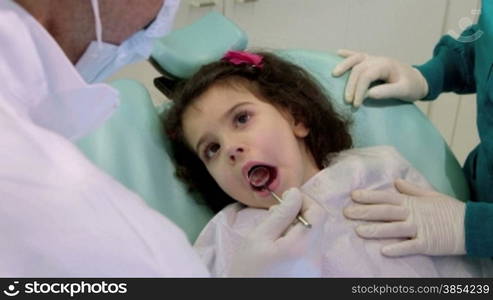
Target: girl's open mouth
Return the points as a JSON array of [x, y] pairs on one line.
[[261, 176]]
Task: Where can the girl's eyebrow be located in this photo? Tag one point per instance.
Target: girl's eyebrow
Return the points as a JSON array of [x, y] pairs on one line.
[[224, 117]]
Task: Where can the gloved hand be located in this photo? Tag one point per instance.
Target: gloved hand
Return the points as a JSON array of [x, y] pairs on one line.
[[433, 223], [275, 248], [402, 81]]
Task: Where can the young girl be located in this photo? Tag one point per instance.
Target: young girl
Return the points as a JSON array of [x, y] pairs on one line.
[[256, 111]]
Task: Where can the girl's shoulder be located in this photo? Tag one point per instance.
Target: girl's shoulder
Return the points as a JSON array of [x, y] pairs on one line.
[[382, 154]]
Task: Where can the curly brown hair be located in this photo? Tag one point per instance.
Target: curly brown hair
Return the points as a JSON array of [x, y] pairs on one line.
[[277, 82]]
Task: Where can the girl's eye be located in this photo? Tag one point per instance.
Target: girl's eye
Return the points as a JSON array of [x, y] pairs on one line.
[[211, 150], [242, 118]]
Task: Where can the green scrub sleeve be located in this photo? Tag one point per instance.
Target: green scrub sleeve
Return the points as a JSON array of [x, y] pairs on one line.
[[452, 67], [479, 229]]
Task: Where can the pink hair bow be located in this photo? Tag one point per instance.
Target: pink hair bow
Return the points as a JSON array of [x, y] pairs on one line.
[[243, 57]]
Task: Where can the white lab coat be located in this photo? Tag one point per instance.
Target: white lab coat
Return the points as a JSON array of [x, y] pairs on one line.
[[59, 214], [346, 254]]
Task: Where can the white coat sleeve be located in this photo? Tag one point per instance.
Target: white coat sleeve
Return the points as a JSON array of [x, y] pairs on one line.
[[62, 217]]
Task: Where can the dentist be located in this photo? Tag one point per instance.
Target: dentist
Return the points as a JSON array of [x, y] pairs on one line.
[[432, 223], [59, 214]]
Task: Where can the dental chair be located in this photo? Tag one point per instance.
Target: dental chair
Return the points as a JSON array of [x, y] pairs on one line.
[[132, 146]]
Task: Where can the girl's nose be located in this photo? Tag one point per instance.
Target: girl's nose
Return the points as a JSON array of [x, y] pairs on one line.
[[235, 152]]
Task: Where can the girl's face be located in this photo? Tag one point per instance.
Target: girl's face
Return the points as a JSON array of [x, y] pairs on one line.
[[233, 131]]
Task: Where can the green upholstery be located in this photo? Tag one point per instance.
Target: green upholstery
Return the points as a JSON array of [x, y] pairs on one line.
[[390, 122], [184, 50], [131, 147]]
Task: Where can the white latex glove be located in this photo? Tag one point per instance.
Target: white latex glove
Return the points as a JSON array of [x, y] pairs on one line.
[[275, 248], [402, 81], [433, 223]]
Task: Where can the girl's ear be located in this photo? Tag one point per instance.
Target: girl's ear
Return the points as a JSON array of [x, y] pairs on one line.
[[300, 130], [298, 127]]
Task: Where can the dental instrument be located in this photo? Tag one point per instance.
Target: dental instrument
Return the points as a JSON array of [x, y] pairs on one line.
[[299, 217], [260, 177]]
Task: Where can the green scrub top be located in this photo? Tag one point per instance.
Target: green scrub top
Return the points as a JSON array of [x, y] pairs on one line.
[[465, 65]]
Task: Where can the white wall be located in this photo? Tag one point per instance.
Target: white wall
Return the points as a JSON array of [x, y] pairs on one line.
[[404, 29]]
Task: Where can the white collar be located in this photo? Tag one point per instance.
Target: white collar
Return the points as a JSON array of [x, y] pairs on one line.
[[45, 84]]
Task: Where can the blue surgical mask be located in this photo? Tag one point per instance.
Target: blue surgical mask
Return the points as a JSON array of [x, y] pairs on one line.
[[101, 59]]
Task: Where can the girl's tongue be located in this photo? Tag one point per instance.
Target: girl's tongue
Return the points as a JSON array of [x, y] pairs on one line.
[[259, 176]]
